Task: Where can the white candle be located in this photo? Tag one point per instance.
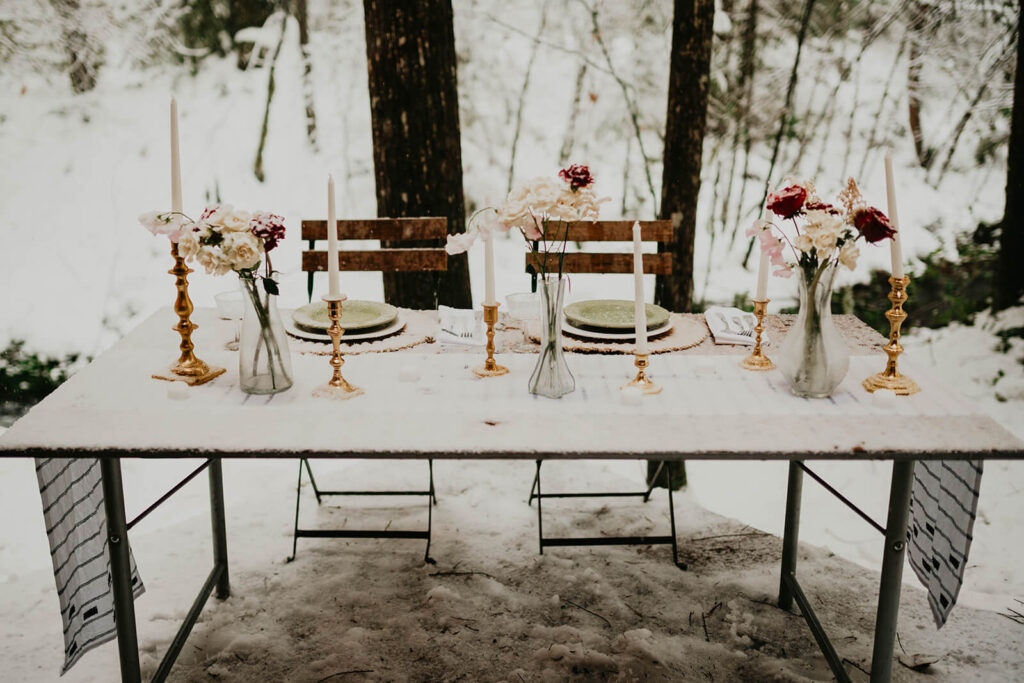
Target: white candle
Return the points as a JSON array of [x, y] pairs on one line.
[[896, 248], [762, 277], [332, 241], [640, 310], [489, 299], [175, 160]]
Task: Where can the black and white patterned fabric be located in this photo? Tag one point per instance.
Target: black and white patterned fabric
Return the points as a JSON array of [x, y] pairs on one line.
[[72, 495], [943, 504]]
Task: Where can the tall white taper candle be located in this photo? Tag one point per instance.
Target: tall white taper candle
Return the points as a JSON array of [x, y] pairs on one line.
[[640, 310], [489, 299], [896, 247], [175, 160], [332, 241], [762, 277]]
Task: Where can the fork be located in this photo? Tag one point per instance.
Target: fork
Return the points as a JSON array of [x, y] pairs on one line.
[[744, 331]]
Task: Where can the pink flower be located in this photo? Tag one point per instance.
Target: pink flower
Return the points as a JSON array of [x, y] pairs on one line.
[[460, 242], [269, 228], [783, 272], [169, 224], [534, 230]]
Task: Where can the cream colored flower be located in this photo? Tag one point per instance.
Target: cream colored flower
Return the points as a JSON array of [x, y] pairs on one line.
[[242, 250], [188, 244], [804, 243], [212, 259], [236, 220], [848, 254]]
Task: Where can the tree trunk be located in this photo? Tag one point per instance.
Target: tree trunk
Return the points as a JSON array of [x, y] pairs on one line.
[[1009, 274], [685, 123], [917, 38], [83, 56], [302, 16], [417, 154]]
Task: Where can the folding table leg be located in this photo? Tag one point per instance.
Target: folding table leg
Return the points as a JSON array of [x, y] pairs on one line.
[[220, 538], [892, 571], [791, 534], [120, 570]]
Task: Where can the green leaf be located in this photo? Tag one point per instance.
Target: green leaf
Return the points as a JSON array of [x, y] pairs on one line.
[[270, 285]]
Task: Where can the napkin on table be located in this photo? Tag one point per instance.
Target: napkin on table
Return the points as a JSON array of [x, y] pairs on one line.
[[460, 326], [732, 326]]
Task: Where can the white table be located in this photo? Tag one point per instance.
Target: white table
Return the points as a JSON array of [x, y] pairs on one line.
[[709, 409]]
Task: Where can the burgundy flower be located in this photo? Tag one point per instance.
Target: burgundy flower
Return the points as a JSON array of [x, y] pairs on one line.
[[577, 176], [787, 202], [873, 224], [821, 206], [269, 228]]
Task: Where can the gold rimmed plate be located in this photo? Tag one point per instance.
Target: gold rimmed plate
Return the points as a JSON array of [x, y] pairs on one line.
[[612, 315], [612, 335], [356, 315]]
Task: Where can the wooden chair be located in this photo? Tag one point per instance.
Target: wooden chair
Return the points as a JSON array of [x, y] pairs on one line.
[[389, 258], [609, 262]]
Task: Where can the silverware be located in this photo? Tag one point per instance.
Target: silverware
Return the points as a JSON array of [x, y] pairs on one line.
[[728, 328]]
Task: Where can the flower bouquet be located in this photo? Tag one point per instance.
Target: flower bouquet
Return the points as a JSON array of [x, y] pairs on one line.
[[819, 237], [542, 210], [223, 240]]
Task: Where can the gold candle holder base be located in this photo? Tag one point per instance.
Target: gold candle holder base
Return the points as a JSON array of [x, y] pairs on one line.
[[757, 361], [490, 368], [890, 378], [189, 368], [337, 388], [641, 380]]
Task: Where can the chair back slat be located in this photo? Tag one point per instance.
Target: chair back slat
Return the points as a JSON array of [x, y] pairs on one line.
[[654, 264], [389, 229], [384, 260], [619, 231]]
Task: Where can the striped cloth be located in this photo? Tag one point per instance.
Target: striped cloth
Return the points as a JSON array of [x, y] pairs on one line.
[[943, 504], [76, 522]]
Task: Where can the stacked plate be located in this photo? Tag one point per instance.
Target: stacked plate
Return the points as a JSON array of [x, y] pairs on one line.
[[360, 321], [612, 320]]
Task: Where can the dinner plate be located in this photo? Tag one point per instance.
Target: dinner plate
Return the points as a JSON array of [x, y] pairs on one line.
[[396, 326], [612, 314], [569, 328], [355, 315]]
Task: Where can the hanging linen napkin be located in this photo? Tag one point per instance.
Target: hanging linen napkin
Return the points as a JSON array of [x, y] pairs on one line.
[[732, 326], [943, 504], [76, 525], [460, 326]]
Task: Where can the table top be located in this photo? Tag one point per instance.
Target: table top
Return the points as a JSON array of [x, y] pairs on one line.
[[709, 409]]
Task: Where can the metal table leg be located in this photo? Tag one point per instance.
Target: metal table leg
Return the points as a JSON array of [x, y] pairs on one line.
[[791, 535], [220, 538], [120, 570], [892, 571]]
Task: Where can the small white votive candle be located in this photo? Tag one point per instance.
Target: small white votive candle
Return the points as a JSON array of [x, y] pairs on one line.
[[632, 396], [178, 391], [408, 373]]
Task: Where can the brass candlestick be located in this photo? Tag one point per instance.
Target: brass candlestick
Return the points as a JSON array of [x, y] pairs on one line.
[[188, 369], [890, 378], [757, 360], [337, 388], [490, 368], [641, 380]]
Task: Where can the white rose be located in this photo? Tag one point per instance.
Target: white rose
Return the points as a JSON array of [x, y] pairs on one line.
[[803, 242], [242, 250], [212, 259], [236, 220], [188, 244]]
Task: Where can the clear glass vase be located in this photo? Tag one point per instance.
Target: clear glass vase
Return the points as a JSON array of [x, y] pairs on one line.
[[264, 364], [813, 357], [551, 376]]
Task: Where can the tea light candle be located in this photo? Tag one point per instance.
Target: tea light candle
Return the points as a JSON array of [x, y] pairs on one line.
[[640, 309], [332, 241], [895, 247]]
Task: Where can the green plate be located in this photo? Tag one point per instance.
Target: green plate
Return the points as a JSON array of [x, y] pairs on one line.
[[612, 314], [355, 315]]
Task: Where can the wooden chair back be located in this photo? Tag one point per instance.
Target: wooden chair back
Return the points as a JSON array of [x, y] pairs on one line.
[[391, 257], [612, 262]]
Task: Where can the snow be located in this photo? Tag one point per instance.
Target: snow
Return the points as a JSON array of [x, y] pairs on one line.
[[79, 272]]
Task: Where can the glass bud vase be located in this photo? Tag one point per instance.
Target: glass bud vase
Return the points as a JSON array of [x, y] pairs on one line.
[[551, 376], [264, 364], [813, 357]]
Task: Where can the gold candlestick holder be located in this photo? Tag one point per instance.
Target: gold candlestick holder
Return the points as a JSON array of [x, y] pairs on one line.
[[490, 368], [337, 388], [641, 381], [757, 361], [890, 378], [189, 368]]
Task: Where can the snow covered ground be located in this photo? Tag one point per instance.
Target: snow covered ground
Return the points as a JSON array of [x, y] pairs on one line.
[[78, 271]]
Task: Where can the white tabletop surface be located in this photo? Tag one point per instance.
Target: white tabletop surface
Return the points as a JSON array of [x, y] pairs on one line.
[[709, 408]]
